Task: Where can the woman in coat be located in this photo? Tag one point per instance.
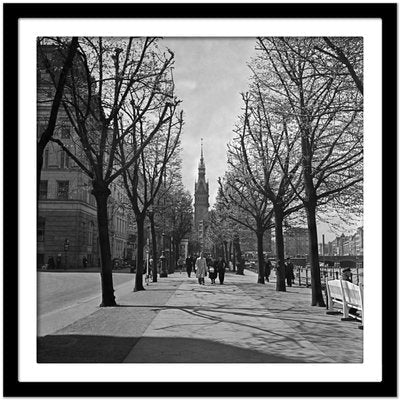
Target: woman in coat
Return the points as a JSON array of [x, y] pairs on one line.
[[201, 269], [289, 272]]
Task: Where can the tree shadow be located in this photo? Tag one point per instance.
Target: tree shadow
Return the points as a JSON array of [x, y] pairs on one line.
[[111, 349]]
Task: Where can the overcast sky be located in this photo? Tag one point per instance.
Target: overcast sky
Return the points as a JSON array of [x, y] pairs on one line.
[[210, 74]]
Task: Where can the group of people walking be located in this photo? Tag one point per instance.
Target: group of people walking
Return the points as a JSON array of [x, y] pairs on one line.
[[206, 266], [203, 266], [289, 271]]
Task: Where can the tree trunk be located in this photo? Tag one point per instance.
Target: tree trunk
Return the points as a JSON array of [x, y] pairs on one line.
[[139, 254], [238, 256], [39, 166], [260, 255], [101, 193], [280, 250], [225, 251], [232, 255], [154, 247], [176, 252], [317, 298], [310, 206]]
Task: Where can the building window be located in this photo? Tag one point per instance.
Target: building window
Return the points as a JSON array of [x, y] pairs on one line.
[[43, 190], [41, 224], [90, 233], [62, 190], [64, 159], [65, 132], [83, 227]]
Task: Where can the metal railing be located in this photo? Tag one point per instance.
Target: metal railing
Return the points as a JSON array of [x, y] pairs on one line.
[[303, 274]]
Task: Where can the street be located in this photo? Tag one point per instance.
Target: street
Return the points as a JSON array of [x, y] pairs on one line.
[[177, 320], [64, 297]]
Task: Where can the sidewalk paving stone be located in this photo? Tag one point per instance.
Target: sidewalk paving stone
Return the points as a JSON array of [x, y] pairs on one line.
[[177, 320]]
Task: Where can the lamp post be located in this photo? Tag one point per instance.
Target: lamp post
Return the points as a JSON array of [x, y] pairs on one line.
[[66, 248], [150, 215], [163, 273]]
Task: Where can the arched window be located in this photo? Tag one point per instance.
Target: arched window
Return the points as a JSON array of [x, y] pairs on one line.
[[90, 233]]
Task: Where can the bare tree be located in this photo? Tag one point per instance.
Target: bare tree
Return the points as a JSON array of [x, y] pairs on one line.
[[268, 149], [179, 215], [144, 178], [246, 205], [221, 229], [58, 69], [107, 76], [348, 51], [327, 113]]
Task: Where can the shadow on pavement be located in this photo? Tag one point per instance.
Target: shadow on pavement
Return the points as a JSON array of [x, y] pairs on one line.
[[111, 349], [83, 348]]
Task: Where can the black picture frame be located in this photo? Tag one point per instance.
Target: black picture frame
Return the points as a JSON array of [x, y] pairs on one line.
[[12, 386]]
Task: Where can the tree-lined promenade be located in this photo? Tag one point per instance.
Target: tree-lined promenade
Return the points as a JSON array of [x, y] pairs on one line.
[[296, 151], [298, 146]]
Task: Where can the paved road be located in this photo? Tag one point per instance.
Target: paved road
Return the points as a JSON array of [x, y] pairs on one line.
[[64, 297]]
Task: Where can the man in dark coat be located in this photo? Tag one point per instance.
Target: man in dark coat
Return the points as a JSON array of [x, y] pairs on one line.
[[289, 272], [189, 265], [267, 269], [50, 263], [221, 267]]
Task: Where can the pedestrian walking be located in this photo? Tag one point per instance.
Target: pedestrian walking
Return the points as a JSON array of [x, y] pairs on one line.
[[289, 272], [267, 269], [194, 258], [221, 267], [58, 261], [212, 271], [180, 263], [50, 263], [84, 262], [201, 269], [189, 265]]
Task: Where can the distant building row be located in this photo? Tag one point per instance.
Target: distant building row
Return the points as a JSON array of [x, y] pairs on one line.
[[351, 245]]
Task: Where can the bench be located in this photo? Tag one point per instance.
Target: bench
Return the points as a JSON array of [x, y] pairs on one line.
[[348, 295]]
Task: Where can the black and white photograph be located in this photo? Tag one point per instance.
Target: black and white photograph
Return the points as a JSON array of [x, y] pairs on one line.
[[229, 271], [206, 202]]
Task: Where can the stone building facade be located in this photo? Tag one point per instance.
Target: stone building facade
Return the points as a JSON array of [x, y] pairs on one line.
[[347, 245], [67, 216]]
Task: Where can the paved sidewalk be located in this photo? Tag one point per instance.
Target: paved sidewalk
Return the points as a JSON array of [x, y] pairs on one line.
[[177, 320]]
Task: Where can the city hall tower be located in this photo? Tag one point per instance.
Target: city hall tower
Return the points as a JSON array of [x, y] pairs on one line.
[[201, 199]]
